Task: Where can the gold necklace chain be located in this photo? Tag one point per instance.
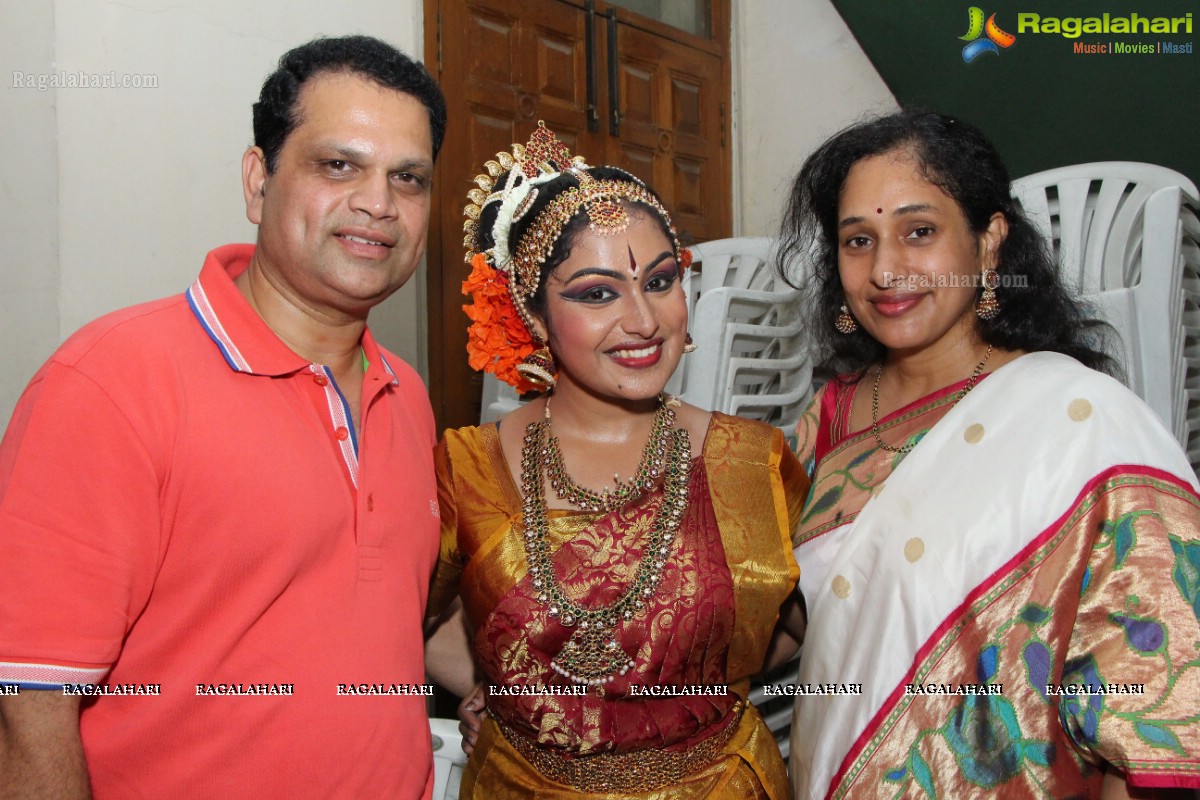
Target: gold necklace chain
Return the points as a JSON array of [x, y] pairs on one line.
[[654, 459], [592, 655], [875, 402]]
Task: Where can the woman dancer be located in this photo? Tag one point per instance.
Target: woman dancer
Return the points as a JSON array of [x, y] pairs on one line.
[[616, 620], [1002, 545]]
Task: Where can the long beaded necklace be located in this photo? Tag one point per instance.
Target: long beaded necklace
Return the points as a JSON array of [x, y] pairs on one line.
[[592, 656], [654, 459], [875, 402]]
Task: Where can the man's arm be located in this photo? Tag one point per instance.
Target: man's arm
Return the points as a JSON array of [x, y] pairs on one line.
[[41, 754]]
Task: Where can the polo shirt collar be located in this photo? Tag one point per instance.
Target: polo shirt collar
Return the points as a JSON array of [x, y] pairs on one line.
[[243, 339]]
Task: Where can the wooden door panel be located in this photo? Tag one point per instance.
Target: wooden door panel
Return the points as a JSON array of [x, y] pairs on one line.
[[490, 130], [692, 198], [637, 83], [638, 159], [686, 100], [687, 175], [486, 130], [639, 79], [556, 67], [555, 50], [699, 176], [491, 45], [671, 103]]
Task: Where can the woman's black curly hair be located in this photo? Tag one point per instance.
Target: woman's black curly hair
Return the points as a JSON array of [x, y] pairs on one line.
[[1039, 314]]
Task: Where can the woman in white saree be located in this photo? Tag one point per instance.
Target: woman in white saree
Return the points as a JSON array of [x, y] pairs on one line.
[[1001, 549]]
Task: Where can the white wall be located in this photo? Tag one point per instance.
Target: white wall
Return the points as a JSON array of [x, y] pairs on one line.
[[112, 196], [29, 269], [798, 76]]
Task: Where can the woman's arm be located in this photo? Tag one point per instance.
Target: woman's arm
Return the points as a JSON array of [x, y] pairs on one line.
[[789, 632], [471, 712], [793, 615], [448, 660]]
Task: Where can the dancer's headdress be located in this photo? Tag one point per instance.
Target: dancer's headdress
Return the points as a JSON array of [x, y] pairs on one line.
[[505, 275]]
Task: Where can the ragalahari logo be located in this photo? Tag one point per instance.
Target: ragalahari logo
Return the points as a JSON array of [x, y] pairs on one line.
[[978, 44]]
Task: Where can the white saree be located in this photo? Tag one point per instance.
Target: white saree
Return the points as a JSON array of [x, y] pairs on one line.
[[979, 560]]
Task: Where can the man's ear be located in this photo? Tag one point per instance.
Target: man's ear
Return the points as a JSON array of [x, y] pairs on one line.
[[254, 182]]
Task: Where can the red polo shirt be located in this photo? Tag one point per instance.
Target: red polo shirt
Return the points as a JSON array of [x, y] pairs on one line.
[[183, 504]]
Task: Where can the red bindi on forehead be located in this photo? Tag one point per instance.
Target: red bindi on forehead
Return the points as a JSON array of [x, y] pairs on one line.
[[633, 265]]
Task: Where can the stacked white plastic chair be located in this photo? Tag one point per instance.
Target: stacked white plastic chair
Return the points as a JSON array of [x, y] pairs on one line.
[[1126, 234], [751, 360], [498, 399], [1189, 219], [751, 357], [448, 758]]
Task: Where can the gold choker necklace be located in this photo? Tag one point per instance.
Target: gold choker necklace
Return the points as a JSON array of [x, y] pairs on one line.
[[654, 459], [875, 402], [592, 655]]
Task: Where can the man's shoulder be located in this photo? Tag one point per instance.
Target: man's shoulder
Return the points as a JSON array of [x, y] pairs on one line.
[[132, 332]]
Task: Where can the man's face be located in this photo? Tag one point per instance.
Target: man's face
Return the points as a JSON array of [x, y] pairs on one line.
[[344, 217]]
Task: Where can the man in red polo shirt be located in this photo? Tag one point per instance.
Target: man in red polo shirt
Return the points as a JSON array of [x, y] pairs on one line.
[[218, 510]]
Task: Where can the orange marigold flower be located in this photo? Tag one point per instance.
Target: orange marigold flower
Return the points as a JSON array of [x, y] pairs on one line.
[[497, 340]]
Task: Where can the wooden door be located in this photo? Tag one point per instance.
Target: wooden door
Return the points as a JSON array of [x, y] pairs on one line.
[[504, 65], [670, 126]]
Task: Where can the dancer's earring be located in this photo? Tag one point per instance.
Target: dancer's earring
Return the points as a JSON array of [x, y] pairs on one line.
[[539, 368]]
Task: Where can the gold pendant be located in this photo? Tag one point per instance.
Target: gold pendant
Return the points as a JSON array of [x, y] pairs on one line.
[[592, 656]]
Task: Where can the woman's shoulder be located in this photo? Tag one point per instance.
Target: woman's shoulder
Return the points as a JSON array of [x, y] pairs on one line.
[[740, 424], [697, 422], [467, 450], [1042, 372], [1059, 405], [471, 436], [745, 440]]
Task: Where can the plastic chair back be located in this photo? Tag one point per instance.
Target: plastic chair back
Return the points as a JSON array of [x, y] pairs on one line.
[[1126, 235], [751, 357], [448, 758], [498, 399]]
